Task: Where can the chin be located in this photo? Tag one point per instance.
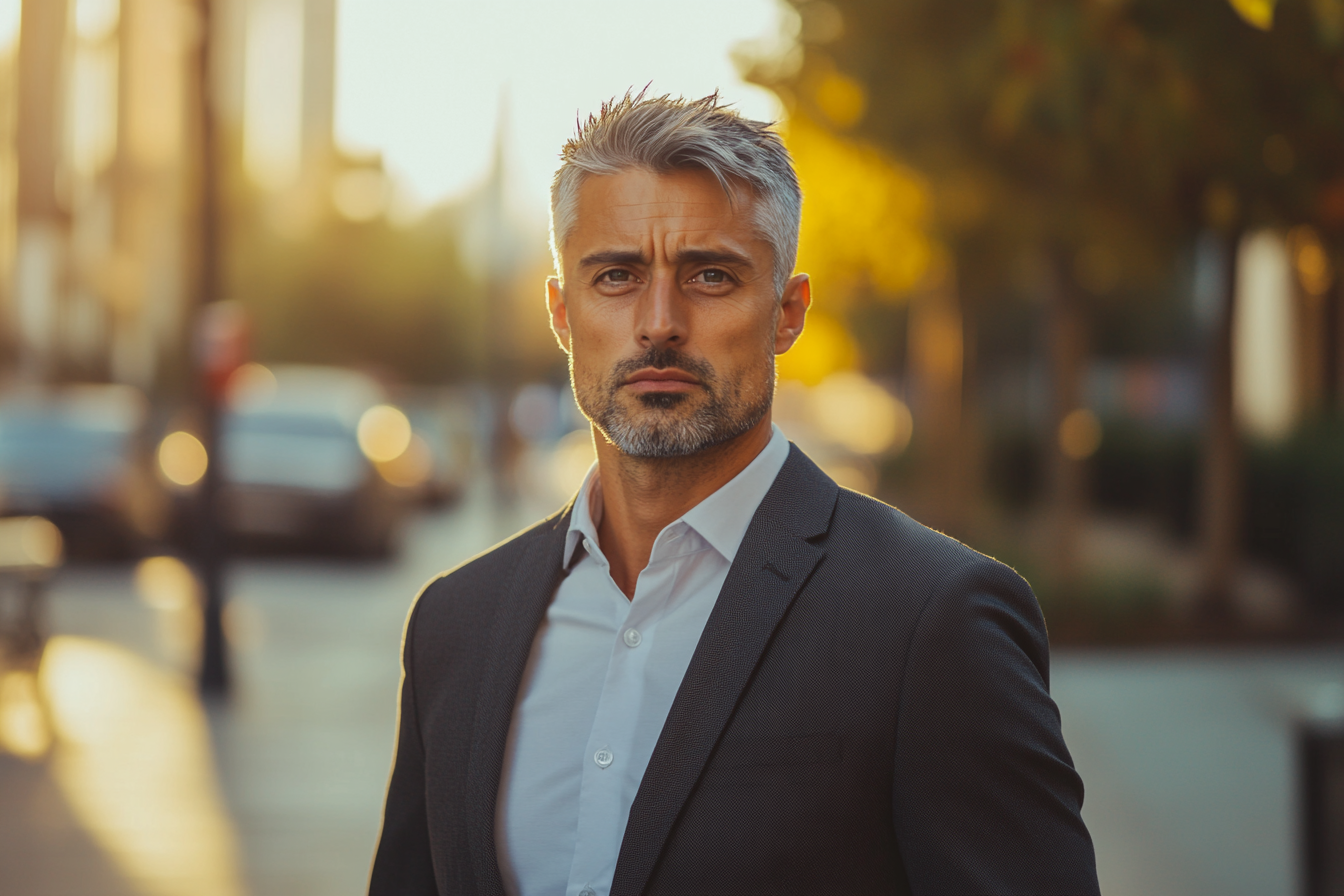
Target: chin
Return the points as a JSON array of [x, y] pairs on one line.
[[662, 400]]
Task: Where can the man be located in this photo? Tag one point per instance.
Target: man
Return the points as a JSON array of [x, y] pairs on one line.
[[716, 671]]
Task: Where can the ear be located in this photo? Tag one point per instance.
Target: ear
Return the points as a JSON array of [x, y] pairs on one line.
[[793, 307], [555, 300]]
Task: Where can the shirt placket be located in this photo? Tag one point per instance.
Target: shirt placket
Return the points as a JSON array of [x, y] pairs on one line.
[[606, 768]]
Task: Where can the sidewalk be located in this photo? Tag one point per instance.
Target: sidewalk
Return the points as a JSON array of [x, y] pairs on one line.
[[276, 793]]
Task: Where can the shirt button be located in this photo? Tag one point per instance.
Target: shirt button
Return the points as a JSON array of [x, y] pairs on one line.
[[632, 637], [587, 891], [603, 757]]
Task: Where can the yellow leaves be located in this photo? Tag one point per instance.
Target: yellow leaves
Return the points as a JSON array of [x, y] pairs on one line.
[[1257, 13], [864, 217], [842, 99], [824, 348]]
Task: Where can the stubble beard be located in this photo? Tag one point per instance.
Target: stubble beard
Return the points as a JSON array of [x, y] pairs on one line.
[[658, 428]]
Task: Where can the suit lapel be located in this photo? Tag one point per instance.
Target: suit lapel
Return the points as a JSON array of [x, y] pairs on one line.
[[519, 613], [774, 561]]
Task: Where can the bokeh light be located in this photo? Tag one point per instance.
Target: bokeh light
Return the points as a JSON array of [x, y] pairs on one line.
[[182, 459], [31, 541], [384, 433], [410, 468], [571, 461], [859, 414], [166, 583], [1079, 434], [251, 383]]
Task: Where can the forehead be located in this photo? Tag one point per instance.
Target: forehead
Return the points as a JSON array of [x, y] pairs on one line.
[[642, 206]]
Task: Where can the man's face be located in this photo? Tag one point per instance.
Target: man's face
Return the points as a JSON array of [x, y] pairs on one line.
[[669, 313]]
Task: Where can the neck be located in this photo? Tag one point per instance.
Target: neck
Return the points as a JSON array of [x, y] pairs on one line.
[[641, 495]]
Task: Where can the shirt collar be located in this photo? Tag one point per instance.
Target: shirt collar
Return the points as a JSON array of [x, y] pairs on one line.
[[720, 519]]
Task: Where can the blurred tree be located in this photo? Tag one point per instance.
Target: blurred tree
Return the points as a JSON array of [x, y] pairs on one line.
[[1077, 149], [864, 239], [367, 293]]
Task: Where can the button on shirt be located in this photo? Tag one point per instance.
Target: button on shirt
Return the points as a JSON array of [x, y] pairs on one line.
[[600, 680]]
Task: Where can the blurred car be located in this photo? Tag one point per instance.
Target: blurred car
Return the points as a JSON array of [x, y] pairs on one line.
[[305, 452], [442, 424], [78, 455]]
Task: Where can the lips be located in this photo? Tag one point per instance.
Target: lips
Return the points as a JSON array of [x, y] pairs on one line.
[[668, 379]]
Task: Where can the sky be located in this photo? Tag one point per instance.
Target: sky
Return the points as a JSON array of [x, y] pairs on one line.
[[423, 81], [424, 84]]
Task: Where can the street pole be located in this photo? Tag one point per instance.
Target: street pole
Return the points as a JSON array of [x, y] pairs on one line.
[[214, 677]]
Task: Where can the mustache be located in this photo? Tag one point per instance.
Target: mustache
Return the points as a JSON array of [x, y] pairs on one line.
[[663, 359]]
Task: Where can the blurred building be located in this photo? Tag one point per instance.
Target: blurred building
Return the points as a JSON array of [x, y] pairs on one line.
[[100, 174]]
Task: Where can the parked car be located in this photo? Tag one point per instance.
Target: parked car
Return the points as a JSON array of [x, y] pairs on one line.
[[79, 456], [441, 420], [301, 460]]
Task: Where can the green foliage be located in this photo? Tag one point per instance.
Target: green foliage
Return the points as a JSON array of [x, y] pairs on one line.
[[1295, 508], [373, 295], [1102, 131]]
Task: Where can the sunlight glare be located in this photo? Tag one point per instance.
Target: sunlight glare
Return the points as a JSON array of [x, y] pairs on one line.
[[272, 138], [133, 761], [425, 86]]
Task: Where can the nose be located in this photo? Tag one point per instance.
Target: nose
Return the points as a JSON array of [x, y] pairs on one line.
[[660, 318]]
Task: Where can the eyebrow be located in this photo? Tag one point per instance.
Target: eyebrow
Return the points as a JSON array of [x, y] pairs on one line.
[[689, 256]]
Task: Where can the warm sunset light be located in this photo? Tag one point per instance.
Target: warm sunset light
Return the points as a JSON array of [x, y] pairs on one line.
[[402, 95], [133, 762]]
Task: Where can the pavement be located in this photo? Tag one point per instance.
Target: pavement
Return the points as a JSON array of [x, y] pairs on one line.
[[1187, 754]]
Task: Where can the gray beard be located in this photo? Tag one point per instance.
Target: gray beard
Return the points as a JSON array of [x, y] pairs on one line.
[[726, 415]]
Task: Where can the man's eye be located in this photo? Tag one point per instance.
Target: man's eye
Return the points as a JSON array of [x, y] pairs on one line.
[[615, 276], [713, 276]]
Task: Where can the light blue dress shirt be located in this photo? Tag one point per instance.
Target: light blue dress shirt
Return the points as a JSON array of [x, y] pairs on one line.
[[600, 680]]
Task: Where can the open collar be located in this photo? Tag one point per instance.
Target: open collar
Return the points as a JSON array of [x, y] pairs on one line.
[[720, 519]]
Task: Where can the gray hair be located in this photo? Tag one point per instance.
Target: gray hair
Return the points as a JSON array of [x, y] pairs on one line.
[[664, 134]]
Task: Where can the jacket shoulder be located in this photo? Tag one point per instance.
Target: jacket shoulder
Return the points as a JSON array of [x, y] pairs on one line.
[[886, 537], [484, 573]]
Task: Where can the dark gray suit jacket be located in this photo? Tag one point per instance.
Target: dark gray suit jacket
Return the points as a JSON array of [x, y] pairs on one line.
[[867, 712]]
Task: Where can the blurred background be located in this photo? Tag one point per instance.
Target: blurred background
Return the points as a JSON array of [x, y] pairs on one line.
[[273, 352]]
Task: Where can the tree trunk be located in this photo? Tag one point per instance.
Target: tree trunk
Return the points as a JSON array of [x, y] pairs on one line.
[[1220, 512], [937, 351], [1068, 339]]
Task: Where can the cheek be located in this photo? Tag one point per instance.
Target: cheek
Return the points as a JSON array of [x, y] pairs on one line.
[[590, 353], [743, 336]]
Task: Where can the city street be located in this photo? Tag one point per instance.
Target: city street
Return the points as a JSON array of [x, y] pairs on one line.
[[1187, 754]]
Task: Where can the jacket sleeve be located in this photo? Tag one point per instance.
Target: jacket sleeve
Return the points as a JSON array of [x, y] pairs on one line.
[[402, 865], [986, 798]]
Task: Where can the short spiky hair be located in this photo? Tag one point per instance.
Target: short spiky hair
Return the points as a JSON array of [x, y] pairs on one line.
[[664, 134]]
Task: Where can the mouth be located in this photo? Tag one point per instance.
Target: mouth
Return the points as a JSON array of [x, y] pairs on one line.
[[668, 379]]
